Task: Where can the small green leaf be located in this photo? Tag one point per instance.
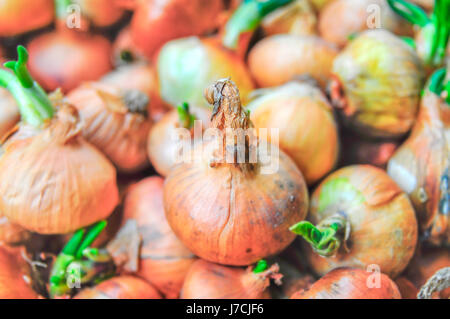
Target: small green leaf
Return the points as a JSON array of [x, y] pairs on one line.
[[260, 266]]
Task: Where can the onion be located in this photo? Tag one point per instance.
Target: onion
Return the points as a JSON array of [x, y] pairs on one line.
[[9, 113], [307, 129], [278, 59], [45, 170], [122, 287], [115, 121], [14, 275], [12, 234], [341, 19], [156, 22], [162, 148], [239, 211], [320, 4], [102, 13], [206, 280], [156, 254], [376, 84], [139, 76], [20, 16], [363, 219], [421, 166], [348, 283], [297, 17], [407, 289], [125, 50]]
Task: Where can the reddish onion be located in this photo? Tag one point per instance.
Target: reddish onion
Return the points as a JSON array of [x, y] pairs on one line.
[[101, 13], [348, 283], [206, 280], [162, 259], [12, 234]]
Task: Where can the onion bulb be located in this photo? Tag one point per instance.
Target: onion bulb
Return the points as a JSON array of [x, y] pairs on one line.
[[227, 206], [45, 171], [101, 13], [162, 146], [349, 283], [157, 22], [9, 112], [121, 287], [341, 19], [278, 59], [125, 50], [363, 218], [206, 280], [376, 84], [146, 245], [421, 166], [20, 16], [407, 289], [12, 234], [115, 121], [307, 129], [14, 275]]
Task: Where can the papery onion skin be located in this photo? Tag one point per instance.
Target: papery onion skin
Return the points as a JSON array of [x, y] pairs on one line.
[[278, 59], [297, 18], [67, 58], [343, 18], [157, 22], [9, 112], [164, 260], [187, 66], [207, 280], [308, 132], [102, 13], [109, 124], [20, 16], [121, 287], [233, 214], [12, 234], [376, 86], [421, 167], [55, 182], [13, 271], [383, 225], [161, 147], [348, 283]]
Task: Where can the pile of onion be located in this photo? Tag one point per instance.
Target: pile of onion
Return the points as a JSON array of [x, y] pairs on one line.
[[66, 57], [163, 147], [307, 129], [115, 121], [206, 280], [421, 166], [351, 283], [121, 287], [278, 59], [20, 16], [146, 245], [47, 164], [233, 205], [341, 19], [376, 84], [363, 218]]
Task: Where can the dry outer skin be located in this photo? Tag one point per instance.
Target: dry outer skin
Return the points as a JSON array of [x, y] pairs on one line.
[[14, 275], [206, 280], [377, 83], [307, 129], [278, 59], [347, 283], [55, 182], [382, 220], [421, 168], [66, 58], [231, 213], [343, 18], [122, 287], [110, 124], [9, 112], [12, 234]]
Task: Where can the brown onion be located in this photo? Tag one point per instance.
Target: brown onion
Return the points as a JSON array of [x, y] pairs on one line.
[[206, 280], [14, 275], [122, 287], [115, 121], [348, 283], [343, 18], [234, 213], [162, 259], [363, 219], [308, 132], [278, 59]]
